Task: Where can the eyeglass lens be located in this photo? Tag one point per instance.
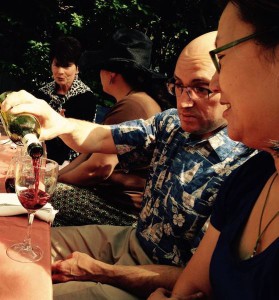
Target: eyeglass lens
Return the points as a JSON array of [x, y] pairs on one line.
[[193, 93]]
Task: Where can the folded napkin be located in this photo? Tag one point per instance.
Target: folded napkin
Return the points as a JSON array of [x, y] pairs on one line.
[[10, 206]]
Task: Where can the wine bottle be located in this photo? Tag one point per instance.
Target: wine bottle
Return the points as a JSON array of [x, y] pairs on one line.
[[22, 129]]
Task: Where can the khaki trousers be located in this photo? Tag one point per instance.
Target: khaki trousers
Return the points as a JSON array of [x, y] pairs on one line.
[[110, 244]]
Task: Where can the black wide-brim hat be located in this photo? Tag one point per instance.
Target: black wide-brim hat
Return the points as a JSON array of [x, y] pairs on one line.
[[127, 47]]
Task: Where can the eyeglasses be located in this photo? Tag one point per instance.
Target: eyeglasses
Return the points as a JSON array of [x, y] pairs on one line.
[[213, 53], [193, 92]]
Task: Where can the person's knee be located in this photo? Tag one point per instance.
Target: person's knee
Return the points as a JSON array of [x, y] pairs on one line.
[[77, 290]]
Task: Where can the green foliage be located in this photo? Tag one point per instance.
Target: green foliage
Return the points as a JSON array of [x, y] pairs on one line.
[[68, 27], [37, 55], [25, 40]]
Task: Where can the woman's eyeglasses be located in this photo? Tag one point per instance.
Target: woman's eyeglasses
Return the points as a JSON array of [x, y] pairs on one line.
[[213, 53]]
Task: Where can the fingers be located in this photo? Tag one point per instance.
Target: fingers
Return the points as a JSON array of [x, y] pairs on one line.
[[26, 108], [69, 266], [15, 98], [62, 266], [62, 271], [24, 102], [56, 278], [55, 267], [160, 294]]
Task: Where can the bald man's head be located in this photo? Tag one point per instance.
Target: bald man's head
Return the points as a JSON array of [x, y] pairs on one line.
[[200, 45], [199, 109], [196, 55]]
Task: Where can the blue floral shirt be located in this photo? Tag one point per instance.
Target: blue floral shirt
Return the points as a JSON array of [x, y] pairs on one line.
[[185, 176]]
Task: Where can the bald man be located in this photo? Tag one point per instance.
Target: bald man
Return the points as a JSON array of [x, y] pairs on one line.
[[190, 155]]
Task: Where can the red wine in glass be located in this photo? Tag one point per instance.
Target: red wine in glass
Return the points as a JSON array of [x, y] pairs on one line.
[[33, 199], [10, 185], [35, 183]]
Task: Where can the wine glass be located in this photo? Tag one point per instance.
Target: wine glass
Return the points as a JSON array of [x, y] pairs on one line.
[[10, 175], [35, 182]]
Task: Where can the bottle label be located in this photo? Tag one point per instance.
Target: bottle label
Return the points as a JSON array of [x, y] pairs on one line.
[[29, 139]]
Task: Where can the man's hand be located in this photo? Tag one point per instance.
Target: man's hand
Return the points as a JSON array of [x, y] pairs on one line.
[[74, 267], [161, 294], [82, 136], [52, 123]]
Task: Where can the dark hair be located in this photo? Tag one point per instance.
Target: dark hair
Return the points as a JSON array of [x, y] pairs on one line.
[[142, 81], [262, 15], [66, 49]]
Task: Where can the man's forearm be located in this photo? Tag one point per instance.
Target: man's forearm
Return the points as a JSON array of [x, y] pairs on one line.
[[87, 137], [142, 280], [139, 280]]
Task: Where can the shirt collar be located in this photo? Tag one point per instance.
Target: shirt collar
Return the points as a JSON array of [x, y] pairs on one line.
[[219, 142], [77, 87]]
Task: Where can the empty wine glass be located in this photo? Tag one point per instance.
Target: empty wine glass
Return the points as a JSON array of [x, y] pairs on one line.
[[35, 182]]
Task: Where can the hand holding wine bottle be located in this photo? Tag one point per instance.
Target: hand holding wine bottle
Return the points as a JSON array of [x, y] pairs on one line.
[[22, 102], [22, 129], [81, 136]]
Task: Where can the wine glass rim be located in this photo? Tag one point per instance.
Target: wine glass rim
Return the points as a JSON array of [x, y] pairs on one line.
[[27, 157]]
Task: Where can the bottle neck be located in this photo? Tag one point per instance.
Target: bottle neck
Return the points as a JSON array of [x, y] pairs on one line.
[[33, 145]]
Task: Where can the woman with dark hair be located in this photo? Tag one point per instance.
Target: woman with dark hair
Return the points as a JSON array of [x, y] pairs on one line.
[[238, 257], [93, 189], [67, 94]]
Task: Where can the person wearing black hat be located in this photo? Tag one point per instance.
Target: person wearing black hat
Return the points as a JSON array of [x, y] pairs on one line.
[[191, 155], [94, 189]]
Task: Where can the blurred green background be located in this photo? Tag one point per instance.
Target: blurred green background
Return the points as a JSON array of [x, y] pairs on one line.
[[28, 27]]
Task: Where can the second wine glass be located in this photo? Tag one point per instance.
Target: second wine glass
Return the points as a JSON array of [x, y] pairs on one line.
[[35, 182], [10, 175]]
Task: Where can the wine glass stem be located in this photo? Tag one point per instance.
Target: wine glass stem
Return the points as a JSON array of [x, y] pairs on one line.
[[27, 239]]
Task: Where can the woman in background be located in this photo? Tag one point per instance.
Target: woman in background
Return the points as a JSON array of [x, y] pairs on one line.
[[66, 94]]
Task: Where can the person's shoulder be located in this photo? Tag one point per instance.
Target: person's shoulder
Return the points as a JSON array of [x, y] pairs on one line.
[[168, 119], [132, 107], [139, 97], [85, 95], [141, 100], [256, 168], [241, 188], [169, 114], [45, 92], [260, 161], [48, 88], [84, 86], [223, 144], [79, 91], [78, 87]]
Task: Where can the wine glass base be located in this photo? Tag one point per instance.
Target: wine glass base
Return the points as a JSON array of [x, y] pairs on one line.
[[23, 253]]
